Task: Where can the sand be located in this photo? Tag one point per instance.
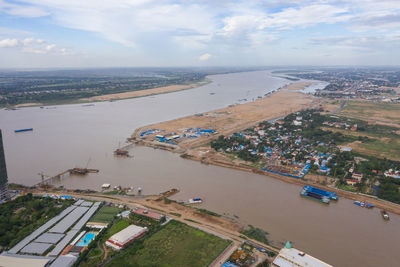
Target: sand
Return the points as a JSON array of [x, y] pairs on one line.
[[146, 92], [232, 119], [28, 105]]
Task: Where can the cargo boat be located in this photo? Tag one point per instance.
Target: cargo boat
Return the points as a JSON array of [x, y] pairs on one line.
[[24, 130], [323, 199], [321, 192], [364, 204]]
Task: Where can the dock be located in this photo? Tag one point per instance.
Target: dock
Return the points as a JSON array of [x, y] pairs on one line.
[[74, 171]]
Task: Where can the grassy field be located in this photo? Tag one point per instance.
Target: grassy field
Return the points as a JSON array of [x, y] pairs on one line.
[[117, 226], [105, 214], [373, 110], [176, 244]]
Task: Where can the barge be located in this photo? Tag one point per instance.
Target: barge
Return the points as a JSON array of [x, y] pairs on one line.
[[24, 130], [321, 192], [315, 196], [364, 204]]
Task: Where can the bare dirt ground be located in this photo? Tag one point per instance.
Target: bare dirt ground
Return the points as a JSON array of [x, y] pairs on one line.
[[147, 92], [228, 120]]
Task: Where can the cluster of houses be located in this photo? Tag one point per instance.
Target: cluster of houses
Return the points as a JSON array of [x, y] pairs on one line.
[[283, 147]]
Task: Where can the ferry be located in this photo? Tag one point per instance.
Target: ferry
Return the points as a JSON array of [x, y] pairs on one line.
[[323, 199], [195, 201], [24, 130], [321, 192]]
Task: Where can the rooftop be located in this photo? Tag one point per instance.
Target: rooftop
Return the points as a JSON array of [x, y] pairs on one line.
[[291, 257]]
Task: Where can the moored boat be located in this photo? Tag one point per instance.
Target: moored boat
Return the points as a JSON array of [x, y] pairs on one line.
[[195, 201], [321, 192], [24, 130], [323, 199], [385, 215]]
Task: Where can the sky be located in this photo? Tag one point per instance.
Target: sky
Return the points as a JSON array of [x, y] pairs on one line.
[[145, 33]]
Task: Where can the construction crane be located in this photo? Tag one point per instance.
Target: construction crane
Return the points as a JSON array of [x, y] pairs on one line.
[[43, 175]]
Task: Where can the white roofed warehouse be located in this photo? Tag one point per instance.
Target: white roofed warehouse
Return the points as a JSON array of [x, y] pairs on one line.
[[126, 236]]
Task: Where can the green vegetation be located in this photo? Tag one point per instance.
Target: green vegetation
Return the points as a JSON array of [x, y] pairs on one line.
[[176, 244], [175, 214], [209, 212], [193, 221], [20, 217], [105, 214], [59, 87], [256, 234], [117, 226]]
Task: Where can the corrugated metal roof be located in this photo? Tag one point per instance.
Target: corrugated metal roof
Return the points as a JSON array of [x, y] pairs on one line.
[[69, 220], [36, 248], [79, 202], [85, 218], [86, 204], [64, 261], [126, 234], [40, 230], [12, 260], [51, 238], [63, 243]]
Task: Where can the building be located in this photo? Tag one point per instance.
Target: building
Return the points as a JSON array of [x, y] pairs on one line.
[[291, 257], [3, 173], [126, 236]]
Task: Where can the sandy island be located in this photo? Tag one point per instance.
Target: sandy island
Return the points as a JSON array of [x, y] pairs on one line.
[[140, 93]]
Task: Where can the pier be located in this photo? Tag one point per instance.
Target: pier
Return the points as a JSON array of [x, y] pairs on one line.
[[74, 171]]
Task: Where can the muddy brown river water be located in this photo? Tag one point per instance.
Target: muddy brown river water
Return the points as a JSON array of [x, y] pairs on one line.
[[67, 136]]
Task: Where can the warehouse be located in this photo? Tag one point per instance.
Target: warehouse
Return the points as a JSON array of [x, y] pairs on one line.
[[126, 236], [291, 257]]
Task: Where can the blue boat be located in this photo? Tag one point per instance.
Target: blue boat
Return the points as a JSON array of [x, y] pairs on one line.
[[24, 130], [323, 199], [321, 192]]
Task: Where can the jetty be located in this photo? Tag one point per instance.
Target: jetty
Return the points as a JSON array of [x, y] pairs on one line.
[[48, 180]]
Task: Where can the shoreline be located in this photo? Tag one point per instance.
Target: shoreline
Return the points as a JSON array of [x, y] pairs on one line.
[[197, 149], [117, 96]]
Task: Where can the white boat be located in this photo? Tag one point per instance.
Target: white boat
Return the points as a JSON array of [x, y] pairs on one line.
[[105, 186], [195, 201]]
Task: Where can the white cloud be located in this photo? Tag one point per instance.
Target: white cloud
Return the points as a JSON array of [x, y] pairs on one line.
[[5, 43], [205, 57], [33, 45]]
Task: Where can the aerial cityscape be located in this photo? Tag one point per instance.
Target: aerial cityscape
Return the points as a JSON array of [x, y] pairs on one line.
[[199, 133]]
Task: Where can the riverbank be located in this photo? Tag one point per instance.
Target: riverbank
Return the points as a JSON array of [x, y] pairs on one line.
[[200, 129], [116, 96], [141, 93], [190, 136]]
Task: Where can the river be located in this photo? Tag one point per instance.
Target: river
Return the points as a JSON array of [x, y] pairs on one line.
[[75, 136]]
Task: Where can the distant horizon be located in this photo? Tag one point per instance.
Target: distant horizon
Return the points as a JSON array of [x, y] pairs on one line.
[[86, 34], [198, 67]]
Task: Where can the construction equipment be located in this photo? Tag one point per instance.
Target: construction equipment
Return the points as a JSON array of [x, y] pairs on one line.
[[43, 184]]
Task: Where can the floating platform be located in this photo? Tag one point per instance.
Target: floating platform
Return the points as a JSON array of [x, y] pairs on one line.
[[323, 199], [321, 192]]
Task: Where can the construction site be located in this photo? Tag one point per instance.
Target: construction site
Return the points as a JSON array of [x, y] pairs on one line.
[[194, 131]]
